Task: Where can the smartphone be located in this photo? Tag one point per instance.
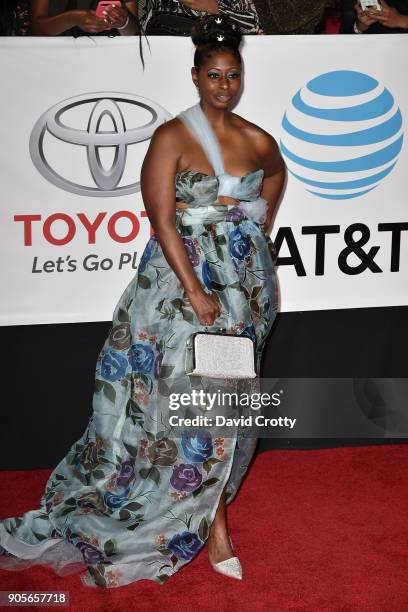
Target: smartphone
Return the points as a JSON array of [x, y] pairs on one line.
[[104, 4], [370, 4]]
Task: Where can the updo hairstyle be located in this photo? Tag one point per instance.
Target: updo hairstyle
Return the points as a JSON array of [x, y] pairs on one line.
[[214, 33]]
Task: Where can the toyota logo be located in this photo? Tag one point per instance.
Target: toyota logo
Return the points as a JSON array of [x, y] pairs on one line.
[[105, 120]]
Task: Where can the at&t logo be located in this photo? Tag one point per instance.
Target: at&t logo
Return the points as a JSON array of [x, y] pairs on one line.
[[70, 140], [342, 134]]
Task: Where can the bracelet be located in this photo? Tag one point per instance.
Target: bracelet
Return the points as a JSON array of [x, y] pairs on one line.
[[356, 30], [125, 24]]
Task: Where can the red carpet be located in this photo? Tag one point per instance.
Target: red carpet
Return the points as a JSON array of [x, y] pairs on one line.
[[315, 530]]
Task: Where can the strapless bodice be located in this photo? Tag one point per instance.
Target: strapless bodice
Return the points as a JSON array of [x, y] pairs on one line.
[[200, 189]]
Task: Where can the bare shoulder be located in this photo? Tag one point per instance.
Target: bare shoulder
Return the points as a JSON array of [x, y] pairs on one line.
[[167, 143], [264, 142], [168, 132]]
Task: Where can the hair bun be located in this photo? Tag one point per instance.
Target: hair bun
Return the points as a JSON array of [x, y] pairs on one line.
[[215, 28]]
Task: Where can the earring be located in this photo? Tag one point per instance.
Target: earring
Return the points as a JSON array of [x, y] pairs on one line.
[[196, 83]]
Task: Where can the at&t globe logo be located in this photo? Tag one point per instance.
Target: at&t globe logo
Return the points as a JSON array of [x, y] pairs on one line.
[[342, 134]]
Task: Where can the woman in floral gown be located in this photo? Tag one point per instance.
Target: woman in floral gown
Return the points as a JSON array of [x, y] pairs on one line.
[[134, 498]]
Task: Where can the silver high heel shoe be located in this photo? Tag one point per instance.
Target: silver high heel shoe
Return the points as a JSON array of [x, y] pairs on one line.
[[230, 567]]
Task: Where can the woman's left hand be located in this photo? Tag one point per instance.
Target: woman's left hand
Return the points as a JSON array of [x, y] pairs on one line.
[[207, 6], [116, 16]]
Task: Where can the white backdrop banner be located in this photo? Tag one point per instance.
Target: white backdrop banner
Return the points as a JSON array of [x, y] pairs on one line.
[[76, 119]]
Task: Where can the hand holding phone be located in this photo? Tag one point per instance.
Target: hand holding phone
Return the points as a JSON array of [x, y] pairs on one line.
[[370, 5], [88, 21], [114, 12], [103, 5], [364, 18], [390, 17]]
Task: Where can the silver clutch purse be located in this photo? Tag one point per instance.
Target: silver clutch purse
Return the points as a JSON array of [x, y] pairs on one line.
[[220, 355]]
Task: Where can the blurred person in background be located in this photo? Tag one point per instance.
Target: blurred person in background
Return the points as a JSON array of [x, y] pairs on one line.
[[14, 17], [392, 19], [291, 17], [78, 18], [176, 18]]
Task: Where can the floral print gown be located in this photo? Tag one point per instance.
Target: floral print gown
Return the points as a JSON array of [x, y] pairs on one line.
[[132, 499]]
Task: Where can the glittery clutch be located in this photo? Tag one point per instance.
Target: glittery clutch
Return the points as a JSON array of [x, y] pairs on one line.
[[220, 355]]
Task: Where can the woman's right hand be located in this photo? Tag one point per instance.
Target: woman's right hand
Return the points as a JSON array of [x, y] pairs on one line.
[[205, 305], [90, 22]]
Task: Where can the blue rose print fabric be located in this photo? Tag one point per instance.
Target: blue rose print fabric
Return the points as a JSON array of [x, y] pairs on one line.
[[133, 500]]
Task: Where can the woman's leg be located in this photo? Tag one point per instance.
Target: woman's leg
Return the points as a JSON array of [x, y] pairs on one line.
[[218, 543]]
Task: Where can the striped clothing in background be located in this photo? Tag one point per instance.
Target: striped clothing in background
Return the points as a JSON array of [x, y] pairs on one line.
[[243, 12]]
